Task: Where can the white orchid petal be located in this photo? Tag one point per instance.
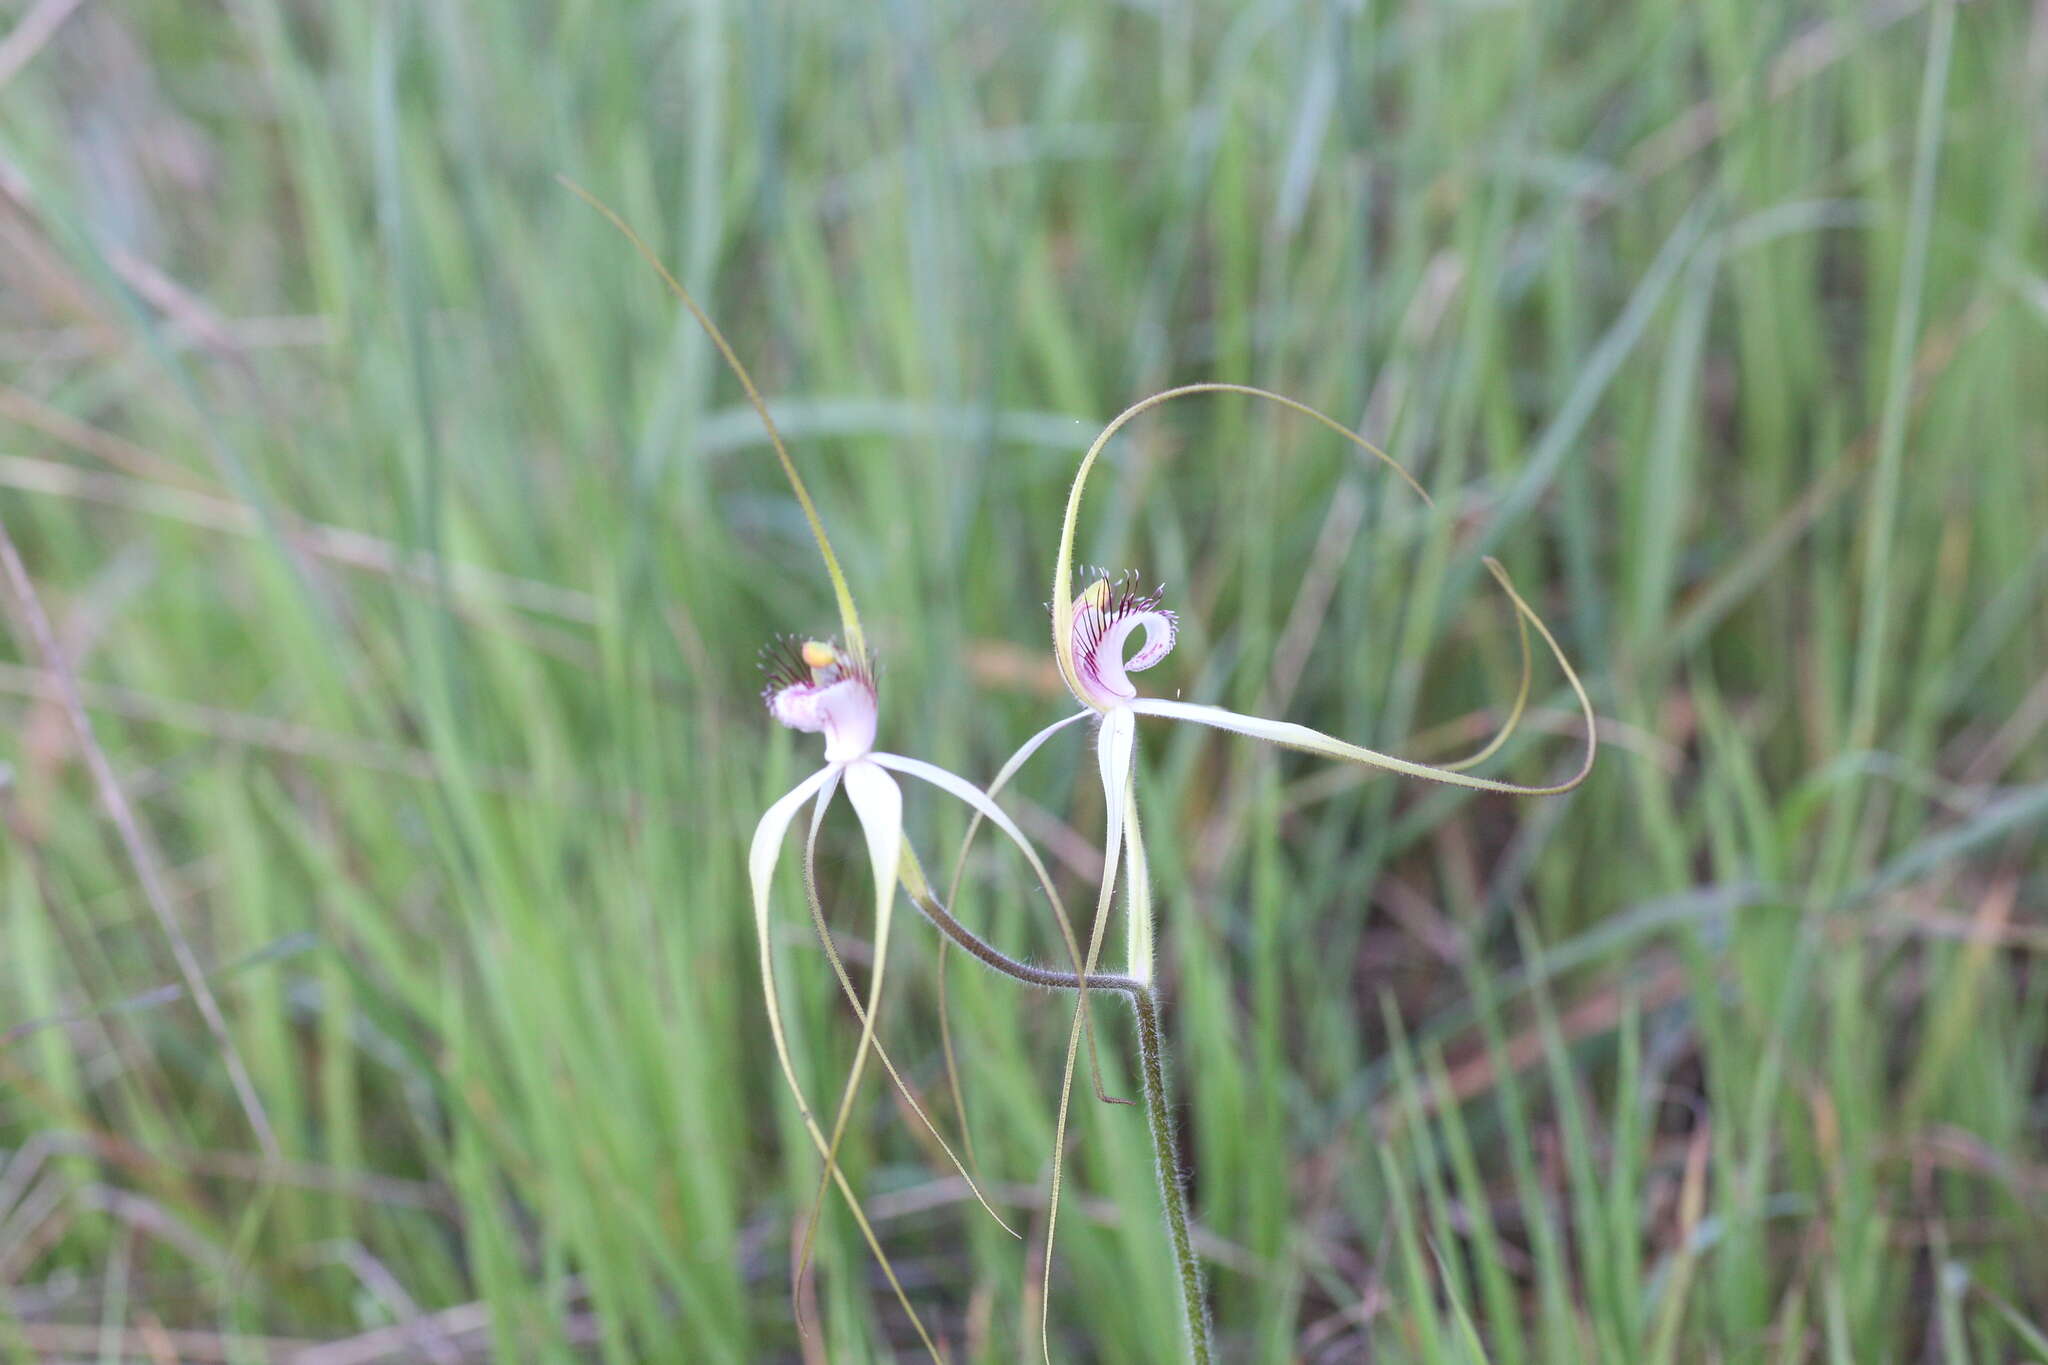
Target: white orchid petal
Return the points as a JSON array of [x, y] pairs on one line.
[[1113, 748], [860, 1012], [762, 859], [908, 873], [984, 808], [878, 801], [1113, 753], [1293, 736], [1138, 926], [1289, 735]]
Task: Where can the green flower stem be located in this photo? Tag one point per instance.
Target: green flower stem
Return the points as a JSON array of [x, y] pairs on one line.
[[1171, 1191], [1172, 1194], [1029, 973]]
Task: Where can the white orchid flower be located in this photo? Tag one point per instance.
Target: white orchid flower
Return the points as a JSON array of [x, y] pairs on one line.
[[821, 687], [1092, 630]]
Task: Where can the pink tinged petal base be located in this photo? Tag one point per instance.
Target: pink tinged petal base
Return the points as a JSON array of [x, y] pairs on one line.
[[843, 712]]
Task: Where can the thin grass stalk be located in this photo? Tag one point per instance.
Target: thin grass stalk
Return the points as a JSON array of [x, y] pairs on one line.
[[148, 869]]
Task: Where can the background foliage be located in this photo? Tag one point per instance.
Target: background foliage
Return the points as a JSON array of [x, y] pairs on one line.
[[414, 551]]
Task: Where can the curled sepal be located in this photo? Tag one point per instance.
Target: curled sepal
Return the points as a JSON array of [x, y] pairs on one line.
[[1521, 703], [878, 802], [1292, 736], [1069, 641], [764, 855]]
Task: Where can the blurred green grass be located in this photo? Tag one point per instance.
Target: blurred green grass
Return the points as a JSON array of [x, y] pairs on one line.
[[415, 551]]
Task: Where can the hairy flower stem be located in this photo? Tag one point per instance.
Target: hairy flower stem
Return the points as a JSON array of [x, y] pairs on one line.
[[1029, 973], [1172, 1194]]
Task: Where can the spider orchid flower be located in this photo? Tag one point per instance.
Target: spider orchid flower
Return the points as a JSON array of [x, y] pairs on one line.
[[821, 688], [1092, 632], [1092, 636], [818, 687]]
